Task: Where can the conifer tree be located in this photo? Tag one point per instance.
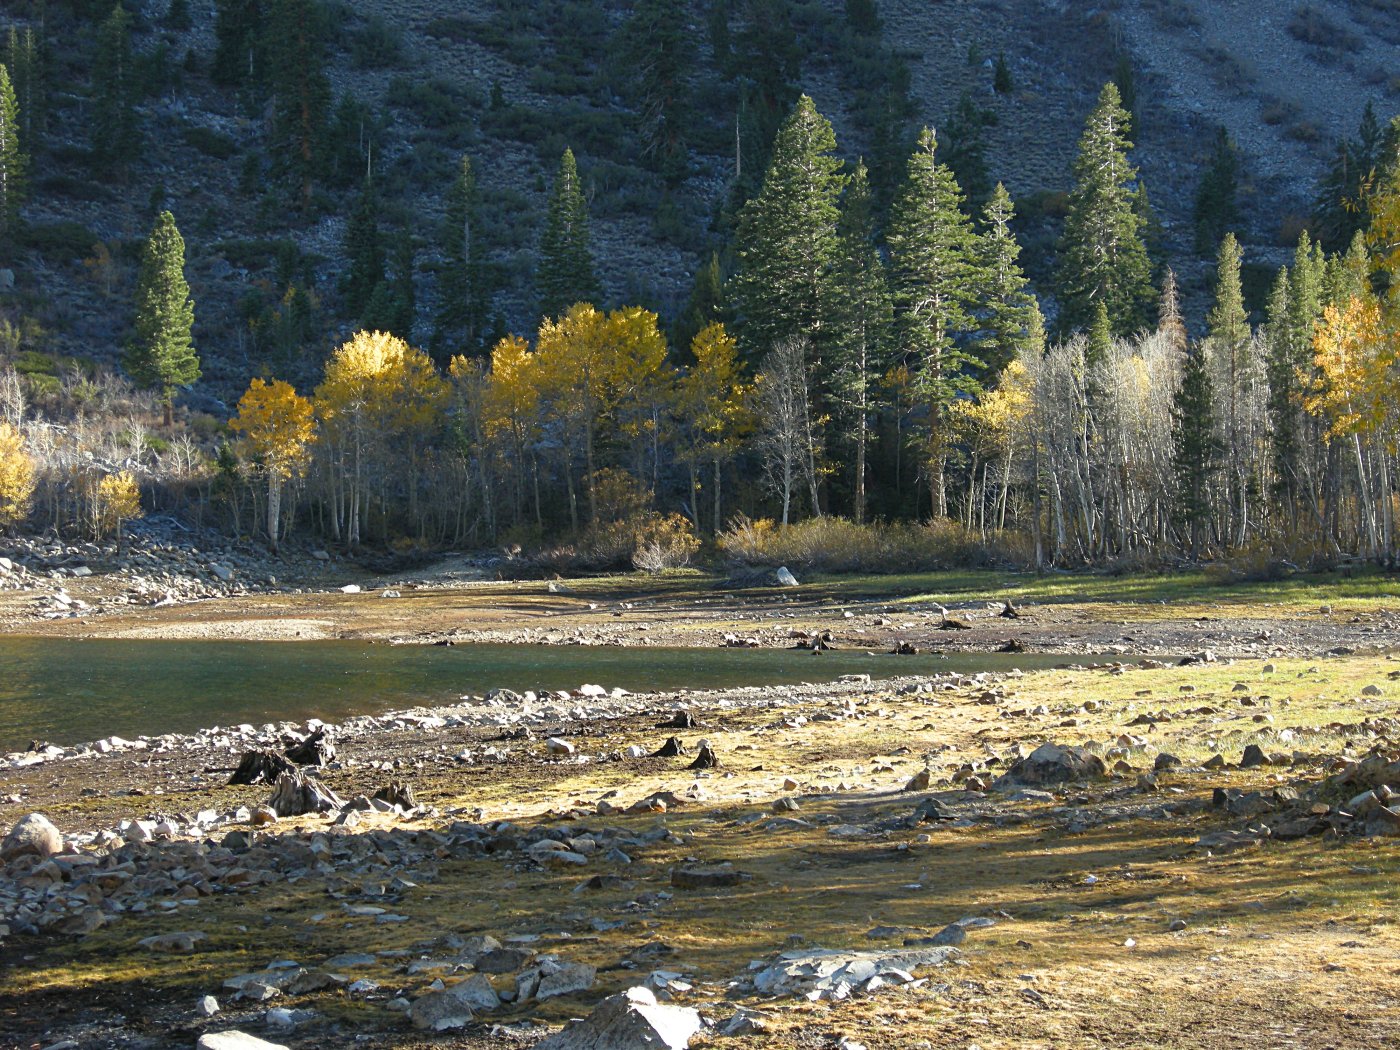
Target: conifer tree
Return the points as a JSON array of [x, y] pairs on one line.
[[1294, 309], [115, 131], [661, 57], [933, 257], [786, 240], [240, 51], [24, 56], [706, 304], [301, 93], [1102, 255], [1235, 375], [13, 164], [162, 357], [964, 145], [365, 250], [462, 293], [1196, 450], [1006, 306], [1169, 320], [862, 322], [1339, 209], [1216, 211], [565, 275]]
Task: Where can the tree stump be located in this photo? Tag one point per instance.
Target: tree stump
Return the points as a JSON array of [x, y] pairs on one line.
[[706, 759], [672, 748], [260, 767], [316, 750], [296, 794]]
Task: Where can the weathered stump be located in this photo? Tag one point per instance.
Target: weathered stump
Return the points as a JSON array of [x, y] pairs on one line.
[[260, 767]]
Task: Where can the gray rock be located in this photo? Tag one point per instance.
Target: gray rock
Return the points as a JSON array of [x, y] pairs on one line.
[[183, 941], [32, 835], [440, 1012], [704, 878], [784, 578], [1053, 764], [477, 993], [234, 1041], [502, 960], [208, 1006], [827, 974], [631, 1020], [567, 979], [1253, 756]]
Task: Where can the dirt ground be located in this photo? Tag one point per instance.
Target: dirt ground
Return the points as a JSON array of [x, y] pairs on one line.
[[1288, 944]]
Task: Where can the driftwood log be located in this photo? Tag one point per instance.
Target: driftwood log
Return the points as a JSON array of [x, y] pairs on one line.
[[260, 767], [296, 794]]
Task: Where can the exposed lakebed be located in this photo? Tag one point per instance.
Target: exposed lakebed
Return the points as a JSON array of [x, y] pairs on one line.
[[67, 690]]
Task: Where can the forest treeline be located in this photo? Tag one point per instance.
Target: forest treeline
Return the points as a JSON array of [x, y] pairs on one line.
[[856, 352]]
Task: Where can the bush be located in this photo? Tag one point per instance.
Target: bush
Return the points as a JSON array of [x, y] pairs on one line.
[[664, 542], [210, 142], [838, 545], [59, 242]]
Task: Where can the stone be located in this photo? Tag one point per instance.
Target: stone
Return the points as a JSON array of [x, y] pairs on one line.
[[440, 1012], [32, 835], [1253, 756], [630, 1020], [1177, 925], [1053, 764], [559, 747], [502, 960], [919, 781], [782, 577], [477, 993], [1165, 761], [263, 815], [1372, 690], [173, 942], [822, 973], [234, 1041], [566, 979]]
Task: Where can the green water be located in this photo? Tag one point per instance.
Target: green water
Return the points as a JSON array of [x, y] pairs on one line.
[[71, 690]]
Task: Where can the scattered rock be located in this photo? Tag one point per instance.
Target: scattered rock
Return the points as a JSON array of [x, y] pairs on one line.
[[32, 835], [234, 1041], [565, 979], [707, 878], [784, 578], [1053, 764], [631, 1020]]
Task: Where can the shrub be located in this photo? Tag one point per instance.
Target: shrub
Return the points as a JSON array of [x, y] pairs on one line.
[[664, 542], [838, 545], [210, 142]]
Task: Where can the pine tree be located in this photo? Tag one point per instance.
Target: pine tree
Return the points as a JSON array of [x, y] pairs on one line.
[[24, 55], [661, 58], [1216, 211], [706, 304], [565, 274], [1102, 255], [1196, 450], [964, 145], [301, 93], [1295, 306], [786, 240], [1007, 308], [933, 257], [13, 164], [862, 323], [162, 357], [1002, 81], [240, 51], [1170, 323], [1232, 353], [116, 135], [365, 251], [1339, 209], [462, 293]]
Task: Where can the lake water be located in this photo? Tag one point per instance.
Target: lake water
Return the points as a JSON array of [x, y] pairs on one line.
[[67, 690]]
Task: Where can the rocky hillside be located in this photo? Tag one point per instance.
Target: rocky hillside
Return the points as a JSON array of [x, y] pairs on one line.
[[512, 83]]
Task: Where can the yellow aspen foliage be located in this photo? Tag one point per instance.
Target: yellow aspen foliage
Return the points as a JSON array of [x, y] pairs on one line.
[[117, 501], [1357, 382], [278, 424], [379, 376], [713, 401], [16, 477], [513, 389]]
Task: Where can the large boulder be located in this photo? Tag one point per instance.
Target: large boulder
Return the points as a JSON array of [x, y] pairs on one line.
[[1053, 764], [234, 1041], [34, 835], [630, 1020]]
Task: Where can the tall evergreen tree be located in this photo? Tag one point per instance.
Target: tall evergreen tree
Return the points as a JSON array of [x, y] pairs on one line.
[[1236, 374], [1339, 209], [13, 164], [115, 130], [365, 250], [861, 327], [1294, 308], [1170, 323], [661, 59], [24, 55], [463, 297], [240, 50], [1216, 209], [964, 145], [933, 255], [162, 357], [565, 274], [1196, 449], [1007, 308], [301, 93], [786, 240], [1102, 255]]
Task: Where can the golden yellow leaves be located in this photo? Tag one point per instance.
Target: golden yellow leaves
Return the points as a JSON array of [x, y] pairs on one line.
[[16, 476], [377, 381], [117, 500], [1357, 381], [278, 424]]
